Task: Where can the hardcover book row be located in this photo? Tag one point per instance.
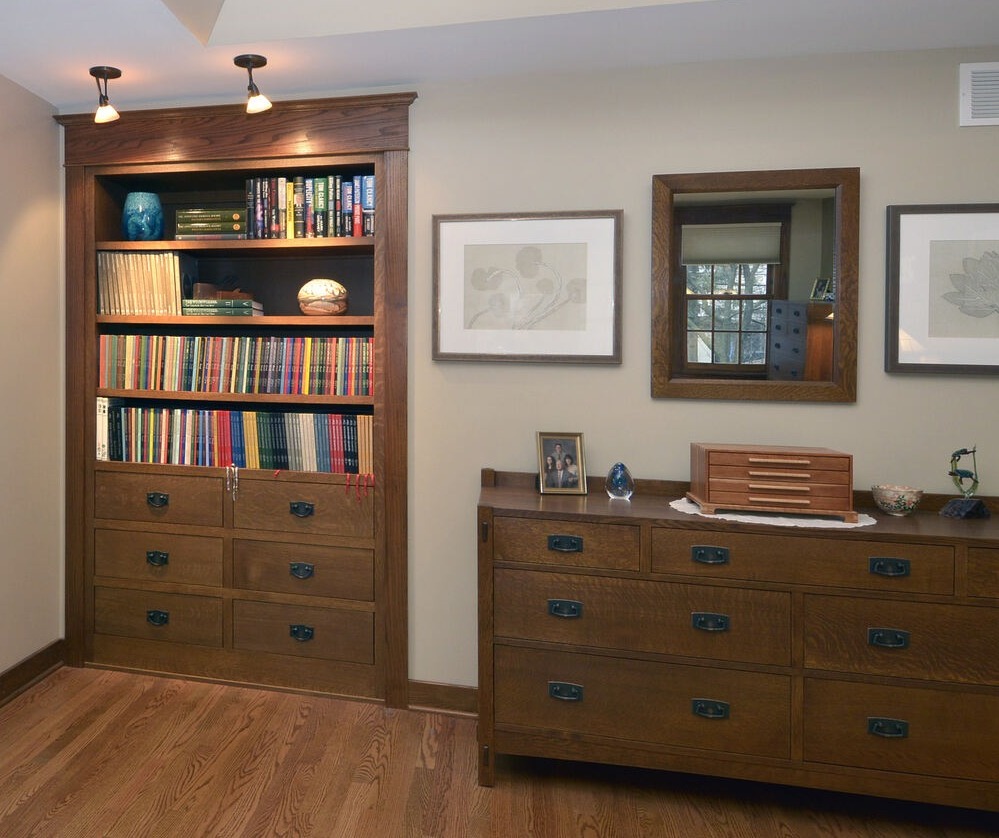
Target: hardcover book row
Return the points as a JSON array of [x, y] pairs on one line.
[[140, 283], [243, 364], [312, 442]]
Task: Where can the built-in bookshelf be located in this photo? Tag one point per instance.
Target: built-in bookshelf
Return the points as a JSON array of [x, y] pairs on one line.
[[236, 430]]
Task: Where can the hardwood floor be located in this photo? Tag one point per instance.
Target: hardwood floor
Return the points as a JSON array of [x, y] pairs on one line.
[[96, 753]]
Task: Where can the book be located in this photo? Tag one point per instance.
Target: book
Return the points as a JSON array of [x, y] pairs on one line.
[[368, 205], [299, 207], [319, 196], [210, 215]]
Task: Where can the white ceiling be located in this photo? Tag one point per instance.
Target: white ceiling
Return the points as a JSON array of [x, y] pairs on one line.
[[180, 51]]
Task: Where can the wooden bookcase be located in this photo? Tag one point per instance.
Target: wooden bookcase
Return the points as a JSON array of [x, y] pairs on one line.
[[288, 578]]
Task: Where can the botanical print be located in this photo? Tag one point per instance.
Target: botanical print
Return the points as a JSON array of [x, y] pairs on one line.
[[964, 289], [525, 287]]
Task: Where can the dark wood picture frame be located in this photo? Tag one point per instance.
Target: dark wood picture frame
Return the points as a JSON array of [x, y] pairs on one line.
[[941, 264]]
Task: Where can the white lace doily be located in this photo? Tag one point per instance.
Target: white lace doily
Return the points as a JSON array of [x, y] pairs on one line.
[[690, 508]]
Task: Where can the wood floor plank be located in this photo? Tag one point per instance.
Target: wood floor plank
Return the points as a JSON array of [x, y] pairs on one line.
[[101, 754]]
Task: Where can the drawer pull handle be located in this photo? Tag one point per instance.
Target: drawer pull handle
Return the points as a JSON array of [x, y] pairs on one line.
[[568, 609], [157, 558], [565, 543], [708, 708], [564, 691], [157, 618], [887, 728], [881, 566], [302, 508], [301, 633], [158, 500], [707, 621], [709, 555], [301, 570], [888, 638]]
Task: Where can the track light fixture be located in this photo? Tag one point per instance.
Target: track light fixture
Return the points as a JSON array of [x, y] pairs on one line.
[[256, 102], [105, 110]]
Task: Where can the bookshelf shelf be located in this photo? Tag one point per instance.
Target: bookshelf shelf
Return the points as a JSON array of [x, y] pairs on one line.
[[316, 479]]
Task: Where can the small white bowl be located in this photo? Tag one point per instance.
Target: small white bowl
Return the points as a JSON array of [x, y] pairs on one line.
[[896, 500]]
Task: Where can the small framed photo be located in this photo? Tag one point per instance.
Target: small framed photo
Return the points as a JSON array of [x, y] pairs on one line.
[[822, 291], [561, 468]]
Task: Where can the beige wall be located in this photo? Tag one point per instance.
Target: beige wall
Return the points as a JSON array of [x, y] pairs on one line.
[[31, 492], [594, 142]]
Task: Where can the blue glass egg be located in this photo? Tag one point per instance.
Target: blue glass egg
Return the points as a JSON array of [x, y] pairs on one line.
[[619, 483]]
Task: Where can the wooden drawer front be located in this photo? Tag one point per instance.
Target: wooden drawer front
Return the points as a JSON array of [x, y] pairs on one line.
[[643, 701], [691, 620], [805, 495], [571, 543], [308, 508], [916, 731], [159, 498], [836, 562], [904, 639], [795, 464], [983, 572], [160, 557], [151, 615], [343, 572], [305, 631]]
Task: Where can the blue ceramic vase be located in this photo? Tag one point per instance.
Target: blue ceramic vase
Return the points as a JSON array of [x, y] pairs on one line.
[[620, 483], [142, 218]]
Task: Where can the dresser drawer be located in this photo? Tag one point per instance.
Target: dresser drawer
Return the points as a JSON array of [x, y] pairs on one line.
[[303, 507], [158, 498], [775, 463], [159, 557], [151, 615], [691, 620], [569, 543], [797, 560], [983, 572], [643, 701], [316, 570], [304, 631], [903, 639], [767, 493], [916, 731]]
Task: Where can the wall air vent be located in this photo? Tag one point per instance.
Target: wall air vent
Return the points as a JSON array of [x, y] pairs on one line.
[[980, 94]]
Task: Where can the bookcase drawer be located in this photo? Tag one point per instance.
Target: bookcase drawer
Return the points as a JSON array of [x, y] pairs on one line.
[[158, 498], [660, 617], [303, 507], [304, 631], [152, 615], [159, 557], [281, 567], [570, 543], [834, 562], [902, 639], [643, 701], [889, 728]]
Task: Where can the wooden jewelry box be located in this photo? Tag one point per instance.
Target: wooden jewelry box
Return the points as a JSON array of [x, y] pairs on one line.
[[769, 478]]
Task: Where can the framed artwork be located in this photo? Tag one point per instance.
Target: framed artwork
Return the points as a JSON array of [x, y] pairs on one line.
[[942, 289], [541, 287], [822, 291], [561, 464]]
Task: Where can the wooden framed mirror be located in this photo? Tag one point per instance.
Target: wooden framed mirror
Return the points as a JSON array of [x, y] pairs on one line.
[[754, 285]]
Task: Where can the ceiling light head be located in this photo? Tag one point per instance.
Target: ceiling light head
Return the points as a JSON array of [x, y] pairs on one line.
[[256, 102], [105, 110]]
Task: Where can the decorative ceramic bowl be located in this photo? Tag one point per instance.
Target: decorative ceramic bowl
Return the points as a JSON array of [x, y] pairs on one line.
[[322, 296], [896, 500]]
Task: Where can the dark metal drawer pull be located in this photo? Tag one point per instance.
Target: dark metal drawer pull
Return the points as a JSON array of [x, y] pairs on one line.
[[882, 566], [888, 638], [706, 621], [157, 618], [709, 555], [301, 632], [564, 691], [301, 570], [708, 708], [566, 608], [887, 728], [302, 508], [157, 558], [157, 500], [565, 543]]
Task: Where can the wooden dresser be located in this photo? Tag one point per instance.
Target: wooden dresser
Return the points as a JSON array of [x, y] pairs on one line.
[[856, 659]]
